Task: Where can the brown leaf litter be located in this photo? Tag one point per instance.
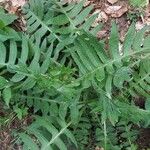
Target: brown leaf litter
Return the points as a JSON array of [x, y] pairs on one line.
[[112, 1], [14, 7], [116, 11]]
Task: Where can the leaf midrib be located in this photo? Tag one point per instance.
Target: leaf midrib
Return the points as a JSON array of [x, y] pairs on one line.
[[110, 62]]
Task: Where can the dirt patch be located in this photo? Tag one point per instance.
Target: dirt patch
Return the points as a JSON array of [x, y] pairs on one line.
[[143, 140], [7, 140]]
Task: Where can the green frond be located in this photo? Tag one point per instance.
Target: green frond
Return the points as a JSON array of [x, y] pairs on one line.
[[111, 140], [123, 134], [82, 132], [112, 66], [46, 135], [45, 26], [140, 83]]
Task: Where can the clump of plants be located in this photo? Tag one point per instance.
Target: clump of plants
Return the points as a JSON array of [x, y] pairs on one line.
[[133, 16], [76, 90]]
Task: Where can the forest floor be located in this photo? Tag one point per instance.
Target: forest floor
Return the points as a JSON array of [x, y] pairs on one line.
[[118, 10]]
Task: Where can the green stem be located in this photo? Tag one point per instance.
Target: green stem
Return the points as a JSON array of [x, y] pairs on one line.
[[56, 136], [105, 136]]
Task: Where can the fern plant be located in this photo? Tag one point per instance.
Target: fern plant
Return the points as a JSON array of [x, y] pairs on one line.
[[64, 75]]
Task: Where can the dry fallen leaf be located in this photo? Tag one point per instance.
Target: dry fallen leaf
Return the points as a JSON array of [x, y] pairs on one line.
[[18, 3], [95, 23], [112, 1], [102, 17], [139, 25], [102, 34], [116, 11], [112, 9], [12, 6], [86, 3]]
